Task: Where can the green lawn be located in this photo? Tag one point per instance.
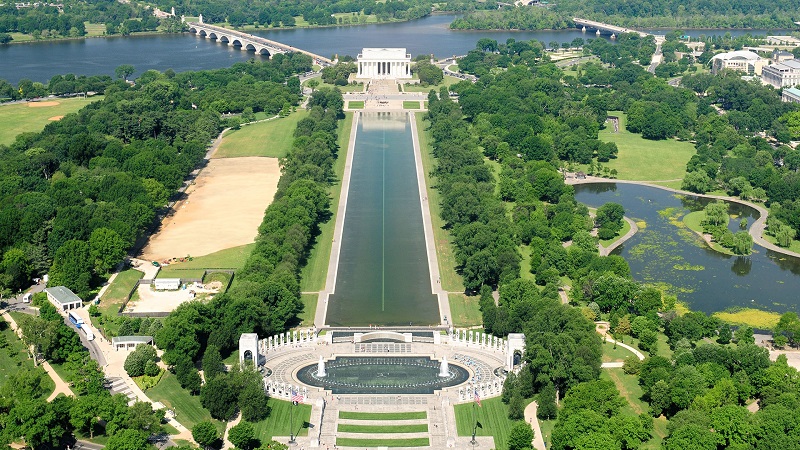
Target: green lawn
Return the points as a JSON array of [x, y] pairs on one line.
[[187, 407], [628, 386], [309, 309], [410, 105], [315, 271], [20, 118], [645, 160], [451, 280], [356, 104], [411, 415], [346, 88], [14, 357], [448, 81], [465, 310], [693, 222], [525, 263], [280, 418], [230, 258], [272, 138], [118, 291], [492, 418], [353, 442], [354, 428], [616, 354]]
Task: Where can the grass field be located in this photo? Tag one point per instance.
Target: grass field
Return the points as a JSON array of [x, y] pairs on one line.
[[309, 309], [451, 280], [187, 407], [272, 138], [465, 310], [230, 258], [525, 263], [693, 222], [615, 354], [280, 418], [14, 357], [345, 88], [642, 159], [356, 104], [20, 118], [492, 418], [118, 291], [447, 81], [411, 415], [315, 271], [410, 105], [354, 428], [353, 442]]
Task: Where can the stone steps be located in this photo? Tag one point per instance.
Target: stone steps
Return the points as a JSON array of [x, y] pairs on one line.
[[429, 434]]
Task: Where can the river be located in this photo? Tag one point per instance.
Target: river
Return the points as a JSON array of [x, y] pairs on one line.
[[40, 61], [666, 253]]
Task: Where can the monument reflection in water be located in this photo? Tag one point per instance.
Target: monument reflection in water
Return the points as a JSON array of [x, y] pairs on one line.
[[383, 375]]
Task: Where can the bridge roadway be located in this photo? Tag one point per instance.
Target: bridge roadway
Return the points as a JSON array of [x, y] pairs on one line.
[[249, 42], [613, 29]]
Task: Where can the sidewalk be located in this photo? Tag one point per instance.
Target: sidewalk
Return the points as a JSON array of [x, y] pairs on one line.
[[530, 417]]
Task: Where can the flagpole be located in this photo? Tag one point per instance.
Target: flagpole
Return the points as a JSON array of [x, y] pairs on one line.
[[474, 424], [291, 423]]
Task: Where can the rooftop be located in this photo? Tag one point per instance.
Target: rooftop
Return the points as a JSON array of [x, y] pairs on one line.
[[130, 339], [738, 54], [63, 295], [383, 53], [791, 64], [793, 91]]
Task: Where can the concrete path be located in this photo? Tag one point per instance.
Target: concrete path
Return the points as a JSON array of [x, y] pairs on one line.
[[530, 417], [226, 444], [430, 242], [605, 251], [62, 387], [756, 229], [336, 248]]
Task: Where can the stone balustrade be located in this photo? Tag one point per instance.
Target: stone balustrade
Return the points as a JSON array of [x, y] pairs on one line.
[[289, 339]]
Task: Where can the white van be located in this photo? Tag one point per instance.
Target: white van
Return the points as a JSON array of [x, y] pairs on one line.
[[27, 298]]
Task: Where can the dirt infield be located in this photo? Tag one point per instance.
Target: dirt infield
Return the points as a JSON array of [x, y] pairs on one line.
[[42, 104], [54, 118], [223, 209]]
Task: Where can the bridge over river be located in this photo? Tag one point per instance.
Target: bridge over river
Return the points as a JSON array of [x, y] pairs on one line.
[[249, 42], [613, 29]]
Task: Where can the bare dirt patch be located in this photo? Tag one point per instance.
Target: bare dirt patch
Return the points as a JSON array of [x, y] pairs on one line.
[[42, 104], [55, 118], [223, 209]]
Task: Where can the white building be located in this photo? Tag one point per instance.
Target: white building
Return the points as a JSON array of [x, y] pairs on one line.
[[63, 298], [784, 74], [791, 95], [741, 60], [384, 63], [167, 284]]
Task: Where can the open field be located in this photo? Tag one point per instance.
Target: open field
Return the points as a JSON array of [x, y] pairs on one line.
[[187, 407], [465, 310], [451, 280], [33, 116], [223, 209], [119, 289], [315, 271], [492, 418], [410, 415], [14, 357], [280, 418], [447, 81], [616, 354], [643, 159], [272, 138], [230, 258]]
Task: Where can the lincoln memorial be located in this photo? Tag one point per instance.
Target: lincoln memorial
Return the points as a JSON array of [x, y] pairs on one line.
[[384, 63]]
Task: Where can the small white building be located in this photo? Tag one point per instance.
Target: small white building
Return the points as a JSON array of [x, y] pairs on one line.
[[129, 342], [384, 63], [783, 74], [167, 284], [63, 298]]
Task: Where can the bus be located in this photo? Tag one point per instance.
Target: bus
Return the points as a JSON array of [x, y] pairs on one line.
[[75, 319], [88, 333]]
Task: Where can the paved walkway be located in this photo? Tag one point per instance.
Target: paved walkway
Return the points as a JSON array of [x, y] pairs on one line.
[[62, 387], [605, 251], [530, 417], [756, 229]]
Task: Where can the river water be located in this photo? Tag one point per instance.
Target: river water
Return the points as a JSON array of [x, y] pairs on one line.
[[42, 60], [666, 253]]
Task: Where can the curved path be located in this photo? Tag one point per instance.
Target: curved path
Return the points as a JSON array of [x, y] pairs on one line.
[[756, 229], [605, 251], [530, 417]]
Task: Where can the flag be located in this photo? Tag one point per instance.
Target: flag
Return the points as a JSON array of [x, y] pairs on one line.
[[477, 398], [296, 398]]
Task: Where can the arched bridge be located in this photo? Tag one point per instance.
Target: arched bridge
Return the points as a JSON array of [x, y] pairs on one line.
[[613, 29], [249, 42]]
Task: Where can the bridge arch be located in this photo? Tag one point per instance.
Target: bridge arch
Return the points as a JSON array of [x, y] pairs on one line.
[[213, 35], [236, 43], [224, 39]]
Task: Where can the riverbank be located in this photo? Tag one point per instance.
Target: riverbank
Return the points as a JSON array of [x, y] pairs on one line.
[[756, 230]]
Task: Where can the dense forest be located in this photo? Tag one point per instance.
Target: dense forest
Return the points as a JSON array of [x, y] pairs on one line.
[[638, 13], [533, 120]]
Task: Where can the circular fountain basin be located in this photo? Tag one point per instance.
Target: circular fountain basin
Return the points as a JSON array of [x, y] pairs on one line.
[[383, 375]]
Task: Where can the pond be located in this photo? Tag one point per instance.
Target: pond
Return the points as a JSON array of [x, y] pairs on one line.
[[666, 253]]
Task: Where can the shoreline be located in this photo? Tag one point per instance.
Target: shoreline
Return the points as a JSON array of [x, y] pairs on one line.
[[756, 230]]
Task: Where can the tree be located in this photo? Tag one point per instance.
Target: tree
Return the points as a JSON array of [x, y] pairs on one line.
[[127, 439], [205, 434], [212, 362], [124, 71], [137, 360], [219, 397], [744, 335], [516, 407], [725, 334], [72, 267], [789, 326], [188, 377], [547, 403], [697, 181], [521, 437], [243, 436], [106, 249]]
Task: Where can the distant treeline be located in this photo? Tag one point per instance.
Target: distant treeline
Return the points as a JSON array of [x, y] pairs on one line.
[[639, 13], [75, 197]]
